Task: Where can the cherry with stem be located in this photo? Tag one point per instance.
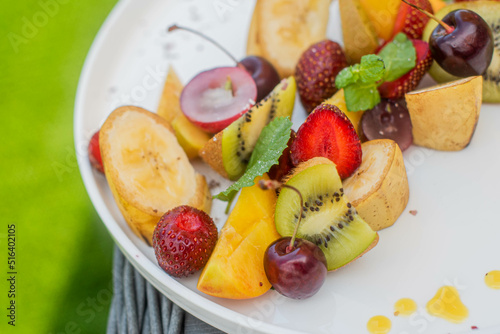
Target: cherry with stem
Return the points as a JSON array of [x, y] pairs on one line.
[[462, 44], [294, 266], [262, 71]]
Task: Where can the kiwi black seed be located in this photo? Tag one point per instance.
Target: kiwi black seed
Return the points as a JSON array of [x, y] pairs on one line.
[[333, 225]]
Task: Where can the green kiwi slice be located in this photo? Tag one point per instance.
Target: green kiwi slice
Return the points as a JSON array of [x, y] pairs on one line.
[[328, 219], [239, 138], [489, 11]]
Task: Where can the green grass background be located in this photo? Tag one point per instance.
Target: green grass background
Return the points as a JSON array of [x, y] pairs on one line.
[[63, 251]]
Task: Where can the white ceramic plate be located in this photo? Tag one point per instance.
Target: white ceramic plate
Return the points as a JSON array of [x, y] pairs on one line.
[[453, 240]]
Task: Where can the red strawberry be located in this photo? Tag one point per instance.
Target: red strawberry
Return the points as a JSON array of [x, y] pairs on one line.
[[95, 153], [408, 82], [410, 20], [183, 240], [285, 165], [327, 132], [316, 72]]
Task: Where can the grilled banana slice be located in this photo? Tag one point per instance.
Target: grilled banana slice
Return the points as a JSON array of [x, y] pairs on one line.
[[286, 28], [379, 188], [147, 170]]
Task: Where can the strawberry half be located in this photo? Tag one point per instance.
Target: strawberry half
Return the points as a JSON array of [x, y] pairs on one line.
[[183, 240], [327, 132], [408, 82], [410, 20], [316, 72], [95, 153]]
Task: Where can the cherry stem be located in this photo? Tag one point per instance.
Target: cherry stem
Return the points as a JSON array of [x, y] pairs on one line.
[[448, 28], [272, 184], [292, 241], [176, 27]]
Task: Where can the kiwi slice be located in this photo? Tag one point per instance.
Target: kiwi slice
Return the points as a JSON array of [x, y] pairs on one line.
[[328, 219], [489, 11], [239, 138]]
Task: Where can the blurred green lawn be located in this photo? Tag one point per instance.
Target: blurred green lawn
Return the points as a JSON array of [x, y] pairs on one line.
[[63, 251]]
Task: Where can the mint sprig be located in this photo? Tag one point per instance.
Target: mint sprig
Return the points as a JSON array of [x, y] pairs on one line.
[[271, 143], [399, 57], [360, 81]]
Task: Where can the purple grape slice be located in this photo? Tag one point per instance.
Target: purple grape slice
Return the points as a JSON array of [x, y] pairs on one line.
[[388, 120]]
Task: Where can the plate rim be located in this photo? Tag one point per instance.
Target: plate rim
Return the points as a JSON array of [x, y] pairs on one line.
[[209, 311]]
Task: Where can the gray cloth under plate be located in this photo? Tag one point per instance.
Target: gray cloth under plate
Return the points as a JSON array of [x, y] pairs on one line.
[[137, 307]]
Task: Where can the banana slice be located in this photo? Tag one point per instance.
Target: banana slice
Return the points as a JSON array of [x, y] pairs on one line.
[[147, 170], [379, 188], [286, 28]]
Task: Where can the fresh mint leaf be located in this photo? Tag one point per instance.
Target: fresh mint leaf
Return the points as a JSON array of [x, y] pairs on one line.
[[360, 83], [399, 57], [348, 76], [372, 69], [271, 143], [361, 96]]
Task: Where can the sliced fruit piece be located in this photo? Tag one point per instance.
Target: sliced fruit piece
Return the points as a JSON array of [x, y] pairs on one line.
[[408, 82], [262, 71], [382, 15], [190, 137], [228, 153], [316, 72], [488, 10], [338, 100], [215, 98], [169, 107], [211, 153], [444, 117], [147, 170], [437, 5], [359, 34], [95, 153], [286, 28], [388, 120], [236, 268], [379, 188], [411, 21], [328, 219], [328, 133], [253, 43]]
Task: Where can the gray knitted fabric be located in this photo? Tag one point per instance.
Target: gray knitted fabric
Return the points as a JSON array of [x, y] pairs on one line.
[[138, 308]]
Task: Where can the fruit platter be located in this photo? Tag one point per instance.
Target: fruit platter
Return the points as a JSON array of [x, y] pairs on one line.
[[302, 167]]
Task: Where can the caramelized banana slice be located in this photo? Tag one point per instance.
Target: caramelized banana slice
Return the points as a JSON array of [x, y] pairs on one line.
[[147, 170], [379, 188], [286, 28]]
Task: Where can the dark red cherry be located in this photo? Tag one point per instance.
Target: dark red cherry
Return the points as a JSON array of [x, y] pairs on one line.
[[264, 74], [467, 48], [388, 120], [295, 273]]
